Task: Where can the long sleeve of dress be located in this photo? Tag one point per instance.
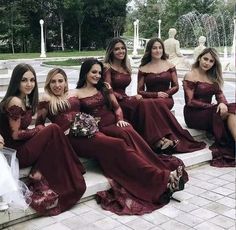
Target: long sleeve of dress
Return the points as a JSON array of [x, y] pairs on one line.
[[14, 113], [141, 87], [116, 107], [107, 78], [189, 88], [220, 97], [174, 83], [42, 113]]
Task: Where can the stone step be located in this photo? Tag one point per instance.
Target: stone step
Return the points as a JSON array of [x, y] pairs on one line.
[[96, 181]]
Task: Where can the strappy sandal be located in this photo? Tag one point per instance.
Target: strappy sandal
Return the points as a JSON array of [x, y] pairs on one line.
[[176, 182], [171, 148]]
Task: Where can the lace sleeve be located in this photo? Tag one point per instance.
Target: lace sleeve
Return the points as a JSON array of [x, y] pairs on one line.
[[174, 82], [189, 87], [42, 113], [141, 87], [15, 114], [116, 107], [108, 79], [220, 97]]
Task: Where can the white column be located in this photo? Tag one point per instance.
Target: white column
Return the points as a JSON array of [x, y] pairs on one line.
[[159, 28], [234, 38], [135, 39], [43, 54], [137, 33]]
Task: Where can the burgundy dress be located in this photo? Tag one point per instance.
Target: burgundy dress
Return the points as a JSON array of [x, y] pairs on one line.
[[200, 113], [153, 120], [138, 179], [149, 84], [48, 151]]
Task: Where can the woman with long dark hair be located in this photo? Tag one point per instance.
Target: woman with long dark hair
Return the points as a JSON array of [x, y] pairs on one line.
[[56, 175], [153, 120], [151, 175]]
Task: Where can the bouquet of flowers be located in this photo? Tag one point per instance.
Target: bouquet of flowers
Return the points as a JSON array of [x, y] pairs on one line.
[[84, 125]]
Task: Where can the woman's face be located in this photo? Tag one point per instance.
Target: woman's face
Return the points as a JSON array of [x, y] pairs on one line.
[[94, 75], [58, 84], [27, 83], [119, 51], [206, 62], [157, 50]]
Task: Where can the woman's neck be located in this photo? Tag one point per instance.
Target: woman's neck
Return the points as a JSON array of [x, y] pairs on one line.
[[155, 61]]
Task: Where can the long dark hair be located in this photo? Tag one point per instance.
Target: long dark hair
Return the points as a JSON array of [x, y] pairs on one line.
[[215, 72], [14, 87], [147, 57], [85, 68], [109, 56]]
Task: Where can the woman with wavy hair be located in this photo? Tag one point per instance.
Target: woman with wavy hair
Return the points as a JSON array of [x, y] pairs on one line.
[[204, 81], [153, 120]]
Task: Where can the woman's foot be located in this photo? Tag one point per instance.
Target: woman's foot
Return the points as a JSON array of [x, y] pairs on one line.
[[176, 182], [166, 146]]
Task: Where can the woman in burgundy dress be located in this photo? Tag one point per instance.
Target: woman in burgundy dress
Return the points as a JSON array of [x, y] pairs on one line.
[[200, 84], [153, 120], [157, 77], [56, 178], [139, 180]]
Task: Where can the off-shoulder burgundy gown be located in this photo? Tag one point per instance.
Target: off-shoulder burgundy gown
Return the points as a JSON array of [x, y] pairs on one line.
[[139, 177], [200, 113], [152, 119], [48, 151]]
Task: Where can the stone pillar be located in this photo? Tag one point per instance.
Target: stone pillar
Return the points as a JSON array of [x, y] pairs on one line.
[[43, 53], [159, 28]]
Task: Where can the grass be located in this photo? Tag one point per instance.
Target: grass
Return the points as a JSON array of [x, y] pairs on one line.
[[7, 56]]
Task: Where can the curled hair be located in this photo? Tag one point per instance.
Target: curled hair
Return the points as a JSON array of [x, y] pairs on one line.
[[109, 56], [56, 103], [13, 89], [84, 70], [215, 72], [147, 57]]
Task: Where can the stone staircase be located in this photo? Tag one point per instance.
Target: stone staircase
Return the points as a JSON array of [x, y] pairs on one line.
[[95, 180]]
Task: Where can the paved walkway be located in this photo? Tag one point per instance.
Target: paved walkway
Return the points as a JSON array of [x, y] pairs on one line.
[[207, 203]]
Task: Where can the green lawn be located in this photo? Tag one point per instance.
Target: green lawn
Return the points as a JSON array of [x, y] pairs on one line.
[[6, 56]]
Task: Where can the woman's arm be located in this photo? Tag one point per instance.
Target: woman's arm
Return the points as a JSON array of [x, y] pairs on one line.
[[189, 88], [174, 83], [15, 111], [116, 108], [141, 87], [42, 113], [108, 79]]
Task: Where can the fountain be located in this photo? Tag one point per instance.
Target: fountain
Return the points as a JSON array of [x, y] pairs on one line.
[[216, 28]]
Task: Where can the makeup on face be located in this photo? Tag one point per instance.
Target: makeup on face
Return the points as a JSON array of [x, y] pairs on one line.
[[58, 84]]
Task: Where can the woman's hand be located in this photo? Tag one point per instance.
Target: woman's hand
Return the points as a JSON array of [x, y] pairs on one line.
[[222, 109], [122, 123], [138, 96], [162, 94], [107, 85], [40, 127], [1, 142]]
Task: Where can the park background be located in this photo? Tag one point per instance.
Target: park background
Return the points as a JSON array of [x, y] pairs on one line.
[[72, 27]]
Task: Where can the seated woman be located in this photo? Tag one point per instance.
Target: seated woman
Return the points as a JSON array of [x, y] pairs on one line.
[[129, 180], [56, 175], [98, 100], [200, 84], [153, 120]]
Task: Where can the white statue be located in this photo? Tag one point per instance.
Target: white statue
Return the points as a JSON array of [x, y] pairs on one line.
[[172, 48], [201, 46]]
